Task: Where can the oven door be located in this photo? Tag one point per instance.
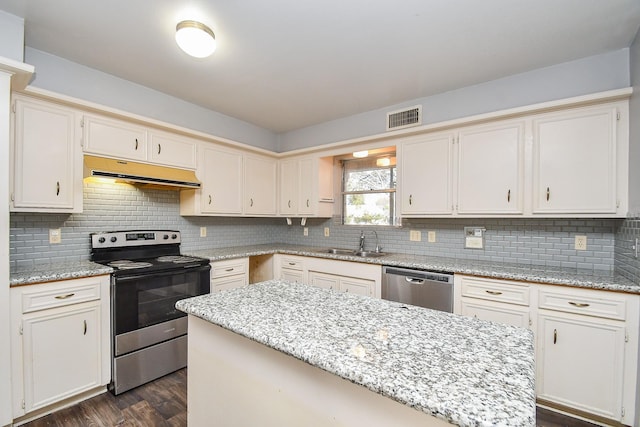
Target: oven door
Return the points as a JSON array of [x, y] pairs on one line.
[[143, 300]]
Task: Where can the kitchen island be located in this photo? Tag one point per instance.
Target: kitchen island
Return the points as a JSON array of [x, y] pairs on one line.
[[282, 353]]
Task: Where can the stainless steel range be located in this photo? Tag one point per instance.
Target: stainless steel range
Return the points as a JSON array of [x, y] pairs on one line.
[[149, 336]]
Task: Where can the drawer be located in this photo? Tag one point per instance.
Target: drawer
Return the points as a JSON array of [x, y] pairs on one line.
[[580, 301], [229, 267], [292, 263], [59, 294], [495, 290], [228, 282]]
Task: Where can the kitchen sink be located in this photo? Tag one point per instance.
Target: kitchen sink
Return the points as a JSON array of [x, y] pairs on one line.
[[363, 254], [337, 251]]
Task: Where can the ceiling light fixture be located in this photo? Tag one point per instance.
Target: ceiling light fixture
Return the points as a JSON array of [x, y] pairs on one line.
[[195, 38], [360, 154]]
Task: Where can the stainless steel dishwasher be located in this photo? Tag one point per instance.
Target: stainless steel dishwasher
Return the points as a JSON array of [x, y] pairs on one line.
[[418, 287]]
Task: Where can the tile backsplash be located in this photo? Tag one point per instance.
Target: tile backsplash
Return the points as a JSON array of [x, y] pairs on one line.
[[627, 250], [535, 242]]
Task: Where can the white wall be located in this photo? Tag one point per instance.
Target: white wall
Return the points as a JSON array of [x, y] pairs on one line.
[[69, 78], [584, 76]]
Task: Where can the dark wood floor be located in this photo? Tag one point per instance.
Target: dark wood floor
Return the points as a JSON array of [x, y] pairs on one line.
[[163, 403]]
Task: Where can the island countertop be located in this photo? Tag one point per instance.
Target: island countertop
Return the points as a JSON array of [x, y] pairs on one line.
[[465, 371]]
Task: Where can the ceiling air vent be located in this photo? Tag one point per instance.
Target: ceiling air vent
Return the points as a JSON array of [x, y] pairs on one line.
[[411, 116]]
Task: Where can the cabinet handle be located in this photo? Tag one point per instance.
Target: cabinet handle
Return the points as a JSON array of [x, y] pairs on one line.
[[85, 328], [555, 336], [548, 194], [289, 203], [64, 296], [159, 148], [579, 304], [57, 188], [494, 292], [209, 198], [307, 202], [136, 143], [250, 202], [229, 269], [292, 263], [410, 199], [509, 196]]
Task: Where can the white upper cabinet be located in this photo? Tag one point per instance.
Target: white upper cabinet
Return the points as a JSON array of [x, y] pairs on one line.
[[47, 158], [426, 174], [491, 169], [114, 138], [306, 187], [260, 182], [221, 181], [172, 150], [574, 161]]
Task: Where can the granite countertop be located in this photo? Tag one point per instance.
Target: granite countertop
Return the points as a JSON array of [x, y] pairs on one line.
[[54, 272], [466, 371], [528, 273]]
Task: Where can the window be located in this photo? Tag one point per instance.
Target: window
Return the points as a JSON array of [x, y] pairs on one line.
[[369, 191]]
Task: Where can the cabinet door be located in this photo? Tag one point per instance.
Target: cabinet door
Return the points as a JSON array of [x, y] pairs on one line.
[[491, 169], [260, 183], [291, 275], [170, 150], [114, 138], [307, 198], [575, 161], [61, 353], [289, 187], [425, 175], [221, 190], [357, 286], [47, 156], [502, 313], [324, 280], [580, 362]]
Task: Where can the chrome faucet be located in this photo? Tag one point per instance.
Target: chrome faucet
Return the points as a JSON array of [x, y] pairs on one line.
[[361, 247], [378, 248]]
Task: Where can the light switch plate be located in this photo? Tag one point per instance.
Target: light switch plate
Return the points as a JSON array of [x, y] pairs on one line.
[[431, 236], [203, 231], [581, 243], [305, 231], [415, 235], [327, 232]]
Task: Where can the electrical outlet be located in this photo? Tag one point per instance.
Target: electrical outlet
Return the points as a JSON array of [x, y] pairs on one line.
[[203, 231], [431, 236], [415, 235], [305, 231], [581, 243], [326, 232], [55, 235]]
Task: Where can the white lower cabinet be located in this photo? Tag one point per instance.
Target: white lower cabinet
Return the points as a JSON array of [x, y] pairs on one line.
[[60, 342], [353, 277], [586, 340], [229, 274]]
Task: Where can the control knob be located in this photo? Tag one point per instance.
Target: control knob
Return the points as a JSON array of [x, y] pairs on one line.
[[174, 236], [165, 237], [101, 240], [114, 238]]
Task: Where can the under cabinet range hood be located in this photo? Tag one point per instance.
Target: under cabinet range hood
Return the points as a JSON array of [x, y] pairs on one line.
[[124, 170]]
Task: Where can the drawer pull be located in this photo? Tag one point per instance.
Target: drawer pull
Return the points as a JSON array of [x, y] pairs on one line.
[[64, 296], [494, 292], [292, 263], [555, 336], [578, 304], [229, 269]]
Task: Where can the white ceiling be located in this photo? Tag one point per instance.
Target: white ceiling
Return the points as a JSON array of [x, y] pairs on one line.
[[287, 64]]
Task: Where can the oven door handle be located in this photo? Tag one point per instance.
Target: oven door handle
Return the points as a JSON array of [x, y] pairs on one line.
[[127, 278]]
